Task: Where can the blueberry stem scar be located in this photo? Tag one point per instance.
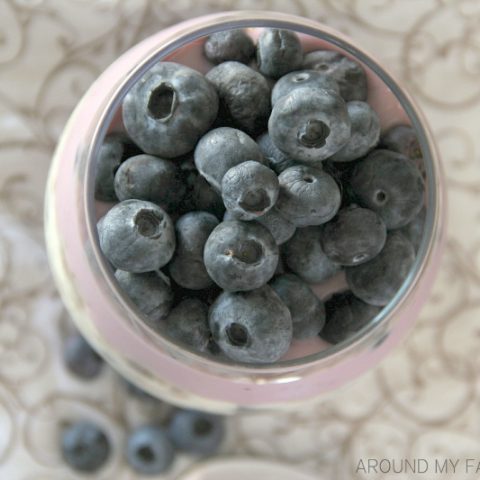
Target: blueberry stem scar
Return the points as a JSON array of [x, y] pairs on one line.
[[313, 134], [162, 102]]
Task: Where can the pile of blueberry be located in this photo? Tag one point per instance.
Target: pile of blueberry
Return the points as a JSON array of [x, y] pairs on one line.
[[238, 189], [151, 448]]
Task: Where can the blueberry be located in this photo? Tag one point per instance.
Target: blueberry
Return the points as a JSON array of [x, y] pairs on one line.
[[308, 196], [186, 267], [280, 228], [240, 256], [150, 292], [196, 432], [389, 184], [346, 315], [249, 190], [137, 236], [304, 255], [168, 109], [307, 311], [200, 195], [365, 132], [402, 139], [234, 44], [376, 282], [188, 324], [414, 230], [149, 450], [349, 74], [309, 124], [115, 148], [277, 160], [85, 447], [251, 327], [303, 78], [80, 358], [145, 177], [244, 95], [278, 52], [354, 236], [221, 149]]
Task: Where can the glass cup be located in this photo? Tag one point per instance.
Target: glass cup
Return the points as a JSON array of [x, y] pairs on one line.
[[113, 325]]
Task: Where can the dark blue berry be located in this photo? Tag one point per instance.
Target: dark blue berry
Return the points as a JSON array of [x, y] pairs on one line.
[[346, 315], [80, 358], [145, 177], [306, 309], [376, 282], [365, 132], [278, 52], [244, 95], [389, 184], [249, 190], [240, 256], [233, 44], [196, 432], [85, 447], [304, 255], [188, 324], [137, 236], [308, 196], [199, 195], [402, 139], [354, 236], [302, 78], [149, 291], [221, 149], [349, 74], [186, 267], [149, 450], [280, 228], [414, 230], [277, 160], [168, 109], [251, 327], [309, 124], [115, 148]]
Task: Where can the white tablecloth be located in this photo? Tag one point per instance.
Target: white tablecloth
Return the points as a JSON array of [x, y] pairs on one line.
[[422, 402]]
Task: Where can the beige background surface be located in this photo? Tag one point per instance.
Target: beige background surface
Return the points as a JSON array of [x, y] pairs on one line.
[[422, 402]]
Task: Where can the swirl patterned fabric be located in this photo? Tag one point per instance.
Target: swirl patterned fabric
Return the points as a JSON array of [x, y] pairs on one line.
[[422, 401]]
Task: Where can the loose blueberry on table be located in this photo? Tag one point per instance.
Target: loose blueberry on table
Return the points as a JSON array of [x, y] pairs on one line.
[[80, 358], [84, 446], [246, 188], [149, 450], [196, 432]]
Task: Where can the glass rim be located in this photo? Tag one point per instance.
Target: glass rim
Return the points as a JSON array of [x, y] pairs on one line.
[[262, 19]]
